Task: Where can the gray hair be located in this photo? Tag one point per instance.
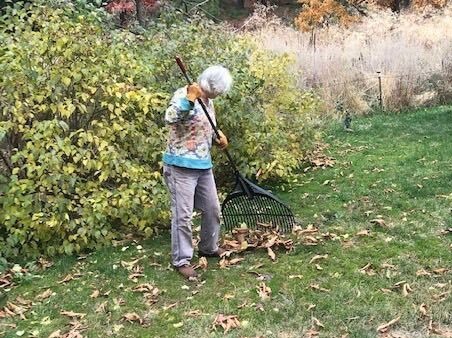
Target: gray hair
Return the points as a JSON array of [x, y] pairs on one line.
[[215, 79]]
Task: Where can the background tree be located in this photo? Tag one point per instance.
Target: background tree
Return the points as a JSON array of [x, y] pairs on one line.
[[321, 13], [129, 10]]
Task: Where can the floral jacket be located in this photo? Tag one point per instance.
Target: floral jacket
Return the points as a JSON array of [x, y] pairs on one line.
[[191, 135]]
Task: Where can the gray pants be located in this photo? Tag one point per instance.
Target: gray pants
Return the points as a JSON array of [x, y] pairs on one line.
[[189, 189]]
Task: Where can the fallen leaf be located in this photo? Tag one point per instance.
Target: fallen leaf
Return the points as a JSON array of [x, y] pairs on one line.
[[384, 327], [367, 269], [228, 296], [118, 303], [317, 287], [226, 322], [137, 272], [193, 313], [295, 276], [150, 292], [378, 221], [170, 306], [422, 272], [311, 333], [20, 307], [240, 234], [318, 257], [388, 266], [102, 307], [55, 334], [132, 317], [317, 322], [406, 289], [437, 330], [224, 262], [263, 277], [46, 294], [310, 240], [264, 291], [440, 285], [69, 277], [44, 264], [117, 327], [202, 263], [5, 281], [95, 294], [447, 231], [145, 288], [399, 284], [130, 265], [269, 243], [423, 309], [440, 271], [442, 296], [72, 314], [363, 233], [271, 254]]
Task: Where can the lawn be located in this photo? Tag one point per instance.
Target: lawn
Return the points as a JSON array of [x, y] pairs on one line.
[[379, 263]]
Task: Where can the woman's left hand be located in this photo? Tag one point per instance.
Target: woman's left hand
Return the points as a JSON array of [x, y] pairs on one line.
[[222, 141]]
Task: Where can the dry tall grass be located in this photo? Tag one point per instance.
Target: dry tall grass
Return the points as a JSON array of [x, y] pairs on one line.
[[413, 52]]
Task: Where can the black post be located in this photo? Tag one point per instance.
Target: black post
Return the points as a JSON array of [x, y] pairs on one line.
[[380, 91]]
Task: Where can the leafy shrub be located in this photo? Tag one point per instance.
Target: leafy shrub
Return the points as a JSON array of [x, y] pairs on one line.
[[81, 121], [78, 120]]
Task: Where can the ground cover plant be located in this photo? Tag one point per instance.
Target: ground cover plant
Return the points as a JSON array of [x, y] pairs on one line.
[[371, 259]]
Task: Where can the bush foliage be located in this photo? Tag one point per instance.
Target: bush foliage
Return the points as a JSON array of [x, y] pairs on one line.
[[81, 125]]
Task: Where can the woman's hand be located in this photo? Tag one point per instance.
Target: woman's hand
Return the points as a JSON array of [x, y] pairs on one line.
[[194, 92], [222, 141]]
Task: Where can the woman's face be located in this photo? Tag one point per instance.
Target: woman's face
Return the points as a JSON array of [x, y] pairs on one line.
[[210, 94]]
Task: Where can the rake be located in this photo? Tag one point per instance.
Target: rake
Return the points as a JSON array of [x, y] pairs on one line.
[[248, 203]]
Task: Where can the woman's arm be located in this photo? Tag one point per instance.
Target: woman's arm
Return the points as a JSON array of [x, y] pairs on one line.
[[182, 104]]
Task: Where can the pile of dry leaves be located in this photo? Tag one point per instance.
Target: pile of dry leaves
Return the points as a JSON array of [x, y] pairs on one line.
[[243, 239], [318, 159]]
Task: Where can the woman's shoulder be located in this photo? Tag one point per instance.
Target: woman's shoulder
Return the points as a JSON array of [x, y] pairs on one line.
[[181, 92]]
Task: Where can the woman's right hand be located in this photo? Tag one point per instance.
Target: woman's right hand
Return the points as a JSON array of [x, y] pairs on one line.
[[194, 92]]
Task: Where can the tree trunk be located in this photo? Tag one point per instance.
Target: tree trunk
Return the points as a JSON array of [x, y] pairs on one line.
[[141, 12], [240, 4]]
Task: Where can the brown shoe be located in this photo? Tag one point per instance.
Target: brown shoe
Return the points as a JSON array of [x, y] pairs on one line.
[[187, 271], [219, 253]]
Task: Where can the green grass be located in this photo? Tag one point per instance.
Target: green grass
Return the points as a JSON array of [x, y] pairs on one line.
[[394, 167]]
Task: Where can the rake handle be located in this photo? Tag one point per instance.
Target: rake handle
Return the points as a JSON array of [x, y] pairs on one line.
[[204, 108]]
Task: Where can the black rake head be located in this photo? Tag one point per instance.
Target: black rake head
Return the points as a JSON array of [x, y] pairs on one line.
[[256, 207]]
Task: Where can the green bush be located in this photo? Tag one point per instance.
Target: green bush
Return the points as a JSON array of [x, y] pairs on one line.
[[78, 121], [81, 121]]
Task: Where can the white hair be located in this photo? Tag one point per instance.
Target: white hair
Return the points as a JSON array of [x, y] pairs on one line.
[[215, 79]]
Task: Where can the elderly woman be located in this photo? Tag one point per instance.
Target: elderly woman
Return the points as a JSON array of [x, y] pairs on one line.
[[188, 167]]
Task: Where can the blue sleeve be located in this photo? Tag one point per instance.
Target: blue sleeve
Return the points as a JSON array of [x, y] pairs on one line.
[[179, 109]]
